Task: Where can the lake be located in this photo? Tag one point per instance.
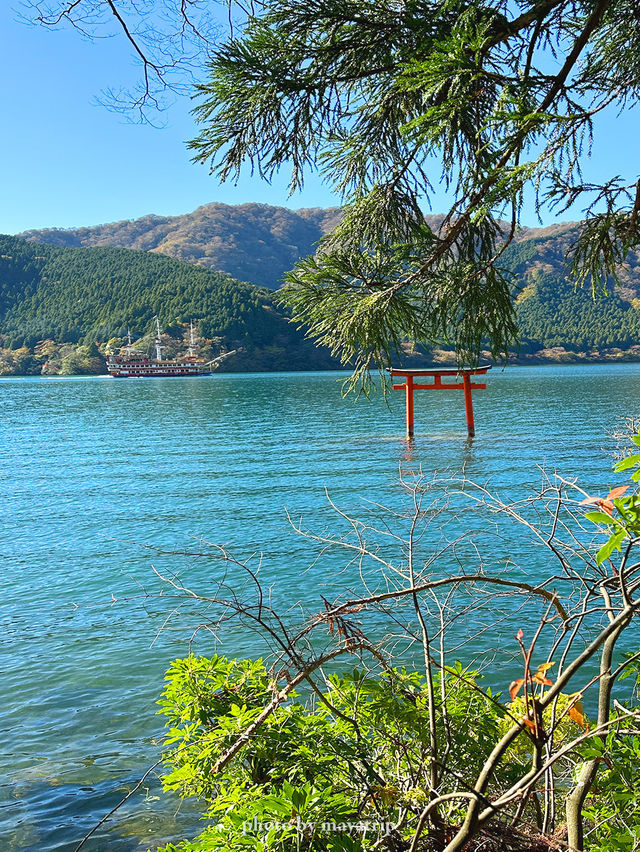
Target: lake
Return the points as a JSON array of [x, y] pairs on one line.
[[98, 475]]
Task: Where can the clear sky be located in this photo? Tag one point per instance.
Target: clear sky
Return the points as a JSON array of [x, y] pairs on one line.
[[68, 161]]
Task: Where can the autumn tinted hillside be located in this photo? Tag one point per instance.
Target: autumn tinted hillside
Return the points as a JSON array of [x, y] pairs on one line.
[[553, 315], [251, 242]]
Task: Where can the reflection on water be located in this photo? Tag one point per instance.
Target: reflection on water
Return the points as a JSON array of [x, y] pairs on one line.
[[94, 470]]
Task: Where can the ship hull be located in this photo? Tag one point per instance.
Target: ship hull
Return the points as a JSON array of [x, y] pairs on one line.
[[143, 368], [160, 375], [160, 372]]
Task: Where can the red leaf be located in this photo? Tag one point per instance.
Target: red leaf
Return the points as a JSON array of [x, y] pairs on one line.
[[606, 506], [529, 723], [577, 715], [618, 491], [542, 680], [514, 687], [589, 501], [519, 635], [603, 503]]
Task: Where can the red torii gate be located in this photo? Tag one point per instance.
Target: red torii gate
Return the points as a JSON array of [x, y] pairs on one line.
[[438, 372]]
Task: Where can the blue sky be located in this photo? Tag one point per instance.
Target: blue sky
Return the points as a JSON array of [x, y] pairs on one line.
[[68, 161]]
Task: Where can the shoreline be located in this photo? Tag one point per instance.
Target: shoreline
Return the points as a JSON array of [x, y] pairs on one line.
[[531, 361]]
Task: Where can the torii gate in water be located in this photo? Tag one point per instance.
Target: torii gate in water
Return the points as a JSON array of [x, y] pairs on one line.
[[409, 385]]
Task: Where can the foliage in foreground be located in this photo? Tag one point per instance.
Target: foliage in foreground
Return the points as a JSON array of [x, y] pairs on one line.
[[286, 755], [311, 779], [308, 764]]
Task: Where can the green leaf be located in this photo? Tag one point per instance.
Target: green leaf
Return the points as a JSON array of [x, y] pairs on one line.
[[599, 518], [625, 464], [607, 549]]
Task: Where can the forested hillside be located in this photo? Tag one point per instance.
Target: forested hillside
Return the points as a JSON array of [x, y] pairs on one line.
[[260, 243], [552, 313], [71, 296]]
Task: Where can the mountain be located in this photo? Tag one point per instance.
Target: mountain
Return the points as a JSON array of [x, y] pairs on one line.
[[260, 243], [91, 295], [556, 321], [252, 242]]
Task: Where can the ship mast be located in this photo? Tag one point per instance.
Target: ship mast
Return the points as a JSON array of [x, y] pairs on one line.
[[192, 344], [158, 340]]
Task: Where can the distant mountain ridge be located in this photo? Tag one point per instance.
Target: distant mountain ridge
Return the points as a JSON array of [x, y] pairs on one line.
[[257, 243]]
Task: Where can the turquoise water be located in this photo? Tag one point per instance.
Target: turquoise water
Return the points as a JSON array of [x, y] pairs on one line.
[[95, 472]]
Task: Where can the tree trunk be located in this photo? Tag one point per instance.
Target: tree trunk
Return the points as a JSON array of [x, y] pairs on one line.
[[587, 773]]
